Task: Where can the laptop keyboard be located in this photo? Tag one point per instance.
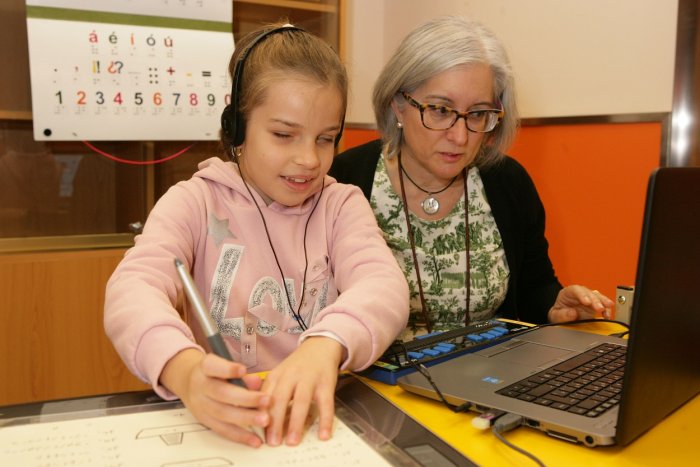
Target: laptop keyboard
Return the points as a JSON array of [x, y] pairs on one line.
[[588, 384]]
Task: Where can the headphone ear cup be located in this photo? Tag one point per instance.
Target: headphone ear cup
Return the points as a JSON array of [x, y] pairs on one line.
[[228, 123], [239, 129], [233, 125]]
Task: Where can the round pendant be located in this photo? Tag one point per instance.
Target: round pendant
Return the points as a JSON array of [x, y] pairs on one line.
[[430, 205]]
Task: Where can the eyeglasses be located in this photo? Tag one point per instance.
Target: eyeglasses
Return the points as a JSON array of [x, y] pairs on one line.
[[441, 117]]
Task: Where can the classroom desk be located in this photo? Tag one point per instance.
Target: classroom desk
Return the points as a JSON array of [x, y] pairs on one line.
[[670, 443]]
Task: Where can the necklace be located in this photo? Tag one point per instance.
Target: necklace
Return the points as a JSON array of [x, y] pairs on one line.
[[467, 283], [430, 204]]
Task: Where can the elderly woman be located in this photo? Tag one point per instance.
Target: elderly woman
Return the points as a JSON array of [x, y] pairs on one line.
[[463, 219]]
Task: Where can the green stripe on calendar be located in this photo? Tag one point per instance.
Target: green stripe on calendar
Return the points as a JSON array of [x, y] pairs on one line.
[[68, 14]]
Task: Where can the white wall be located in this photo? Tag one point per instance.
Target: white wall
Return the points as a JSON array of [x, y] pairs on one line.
[[570, 57], [364, 54]]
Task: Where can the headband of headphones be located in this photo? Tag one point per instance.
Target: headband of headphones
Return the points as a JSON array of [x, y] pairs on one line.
[[232, 119]]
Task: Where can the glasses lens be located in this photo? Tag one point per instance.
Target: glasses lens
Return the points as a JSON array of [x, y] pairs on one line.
[[438, 118], [482, 120], [478, 120]]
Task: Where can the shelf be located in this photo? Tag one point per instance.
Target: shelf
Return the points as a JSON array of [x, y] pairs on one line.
[[318, 17], [15, 115], [319, 6]]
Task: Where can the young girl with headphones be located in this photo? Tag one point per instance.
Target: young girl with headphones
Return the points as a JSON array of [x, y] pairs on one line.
[[292, 265]]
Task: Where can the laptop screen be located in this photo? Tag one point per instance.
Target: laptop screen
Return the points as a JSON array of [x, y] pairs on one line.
[[663, 367]]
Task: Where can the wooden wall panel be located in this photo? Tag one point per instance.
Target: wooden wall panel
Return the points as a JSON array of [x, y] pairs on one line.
[[53, 343]]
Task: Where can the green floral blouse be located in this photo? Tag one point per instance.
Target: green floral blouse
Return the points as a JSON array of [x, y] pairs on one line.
[[440, 249]]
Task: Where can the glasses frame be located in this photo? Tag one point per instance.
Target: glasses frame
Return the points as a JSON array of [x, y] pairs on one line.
[[421, 107]]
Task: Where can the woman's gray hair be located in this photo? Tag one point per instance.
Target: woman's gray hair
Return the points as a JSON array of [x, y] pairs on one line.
[[438, 45]]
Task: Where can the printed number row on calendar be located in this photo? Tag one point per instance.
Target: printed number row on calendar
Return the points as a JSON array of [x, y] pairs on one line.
[[157, 98]]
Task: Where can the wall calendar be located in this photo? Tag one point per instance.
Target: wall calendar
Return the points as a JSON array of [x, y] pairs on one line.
[[129, 69]]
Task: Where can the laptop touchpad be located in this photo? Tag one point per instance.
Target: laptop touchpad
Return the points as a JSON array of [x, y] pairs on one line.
[[531, 354]]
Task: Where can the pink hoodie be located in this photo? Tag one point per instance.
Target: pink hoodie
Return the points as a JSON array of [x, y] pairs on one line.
[[355, 291]]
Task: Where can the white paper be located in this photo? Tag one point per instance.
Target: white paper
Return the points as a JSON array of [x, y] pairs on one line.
[[168, 438]]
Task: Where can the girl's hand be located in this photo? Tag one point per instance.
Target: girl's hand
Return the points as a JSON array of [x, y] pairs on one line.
[[201, 382], [306, 376]]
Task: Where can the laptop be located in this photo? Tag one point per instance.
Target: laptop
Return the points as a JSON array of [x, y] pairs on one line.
[[645, 378]]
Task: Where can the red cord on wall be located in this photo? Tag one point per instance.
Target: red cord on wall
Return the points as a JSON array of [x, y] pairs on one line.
[[126, 161]]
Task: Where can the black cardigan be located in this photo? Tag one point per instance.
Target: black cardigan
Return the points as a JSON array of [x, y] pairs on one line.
[[519, 215]]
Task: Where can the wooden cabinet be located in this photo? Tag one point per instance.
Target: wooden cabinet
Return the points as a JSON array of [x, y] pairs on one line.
[[321, 17], [15, 93], [52, 339]]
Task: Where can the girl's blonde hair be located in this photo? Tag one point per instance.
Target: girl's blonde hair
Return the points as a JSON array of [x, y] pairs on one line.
[[286, 54]]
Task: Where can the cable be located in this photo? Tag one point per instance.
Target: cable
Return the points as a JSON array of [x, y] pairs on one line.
[[296, 313], [130, 162], [486, 419], [507, 423], [423, 370], [501, 421]]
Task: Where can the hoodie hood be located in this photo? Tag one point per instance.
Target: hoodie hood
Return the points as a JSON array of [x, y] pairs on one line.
[[227, 174]]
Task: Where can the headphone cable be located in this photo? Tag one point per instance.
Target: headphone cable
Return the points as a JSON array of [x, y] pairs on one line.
[[296, 314]]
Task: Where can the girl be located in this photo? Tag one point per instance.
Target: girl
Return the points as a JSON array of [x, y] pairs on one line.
[[293, 266]]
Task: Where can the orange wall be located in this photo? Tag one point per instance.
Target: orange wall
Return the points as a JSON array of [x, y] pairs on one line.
[[592, 180], [354, 137]]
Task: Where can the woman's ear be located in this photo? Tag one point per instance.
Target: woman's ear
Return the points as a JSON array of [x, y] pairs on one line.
[[396, 108]]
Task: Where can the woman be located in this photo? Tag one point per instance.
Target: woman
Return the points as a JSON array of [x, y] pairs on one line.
[[446, 111]]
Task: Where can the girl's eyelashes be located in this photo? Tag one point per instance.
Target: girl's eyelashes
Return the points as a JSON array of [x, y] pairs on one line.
[[320, 139]]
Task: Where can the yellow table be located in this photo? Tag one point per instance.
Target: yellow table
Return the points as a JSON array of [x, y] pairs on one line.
[[673, 442]]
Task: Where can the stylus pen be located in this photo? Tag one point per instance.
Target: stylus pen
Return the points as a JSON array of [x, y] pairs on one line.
[[216, 342]]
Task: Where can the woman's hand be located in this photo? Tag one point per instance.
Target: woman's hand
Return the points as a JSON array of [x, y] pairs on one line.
[[307, 375], [201, 382], [578, 302]]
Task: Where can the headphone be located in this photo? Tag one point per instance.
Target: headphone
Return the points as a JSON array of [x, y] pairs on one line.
[[232, 119]]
